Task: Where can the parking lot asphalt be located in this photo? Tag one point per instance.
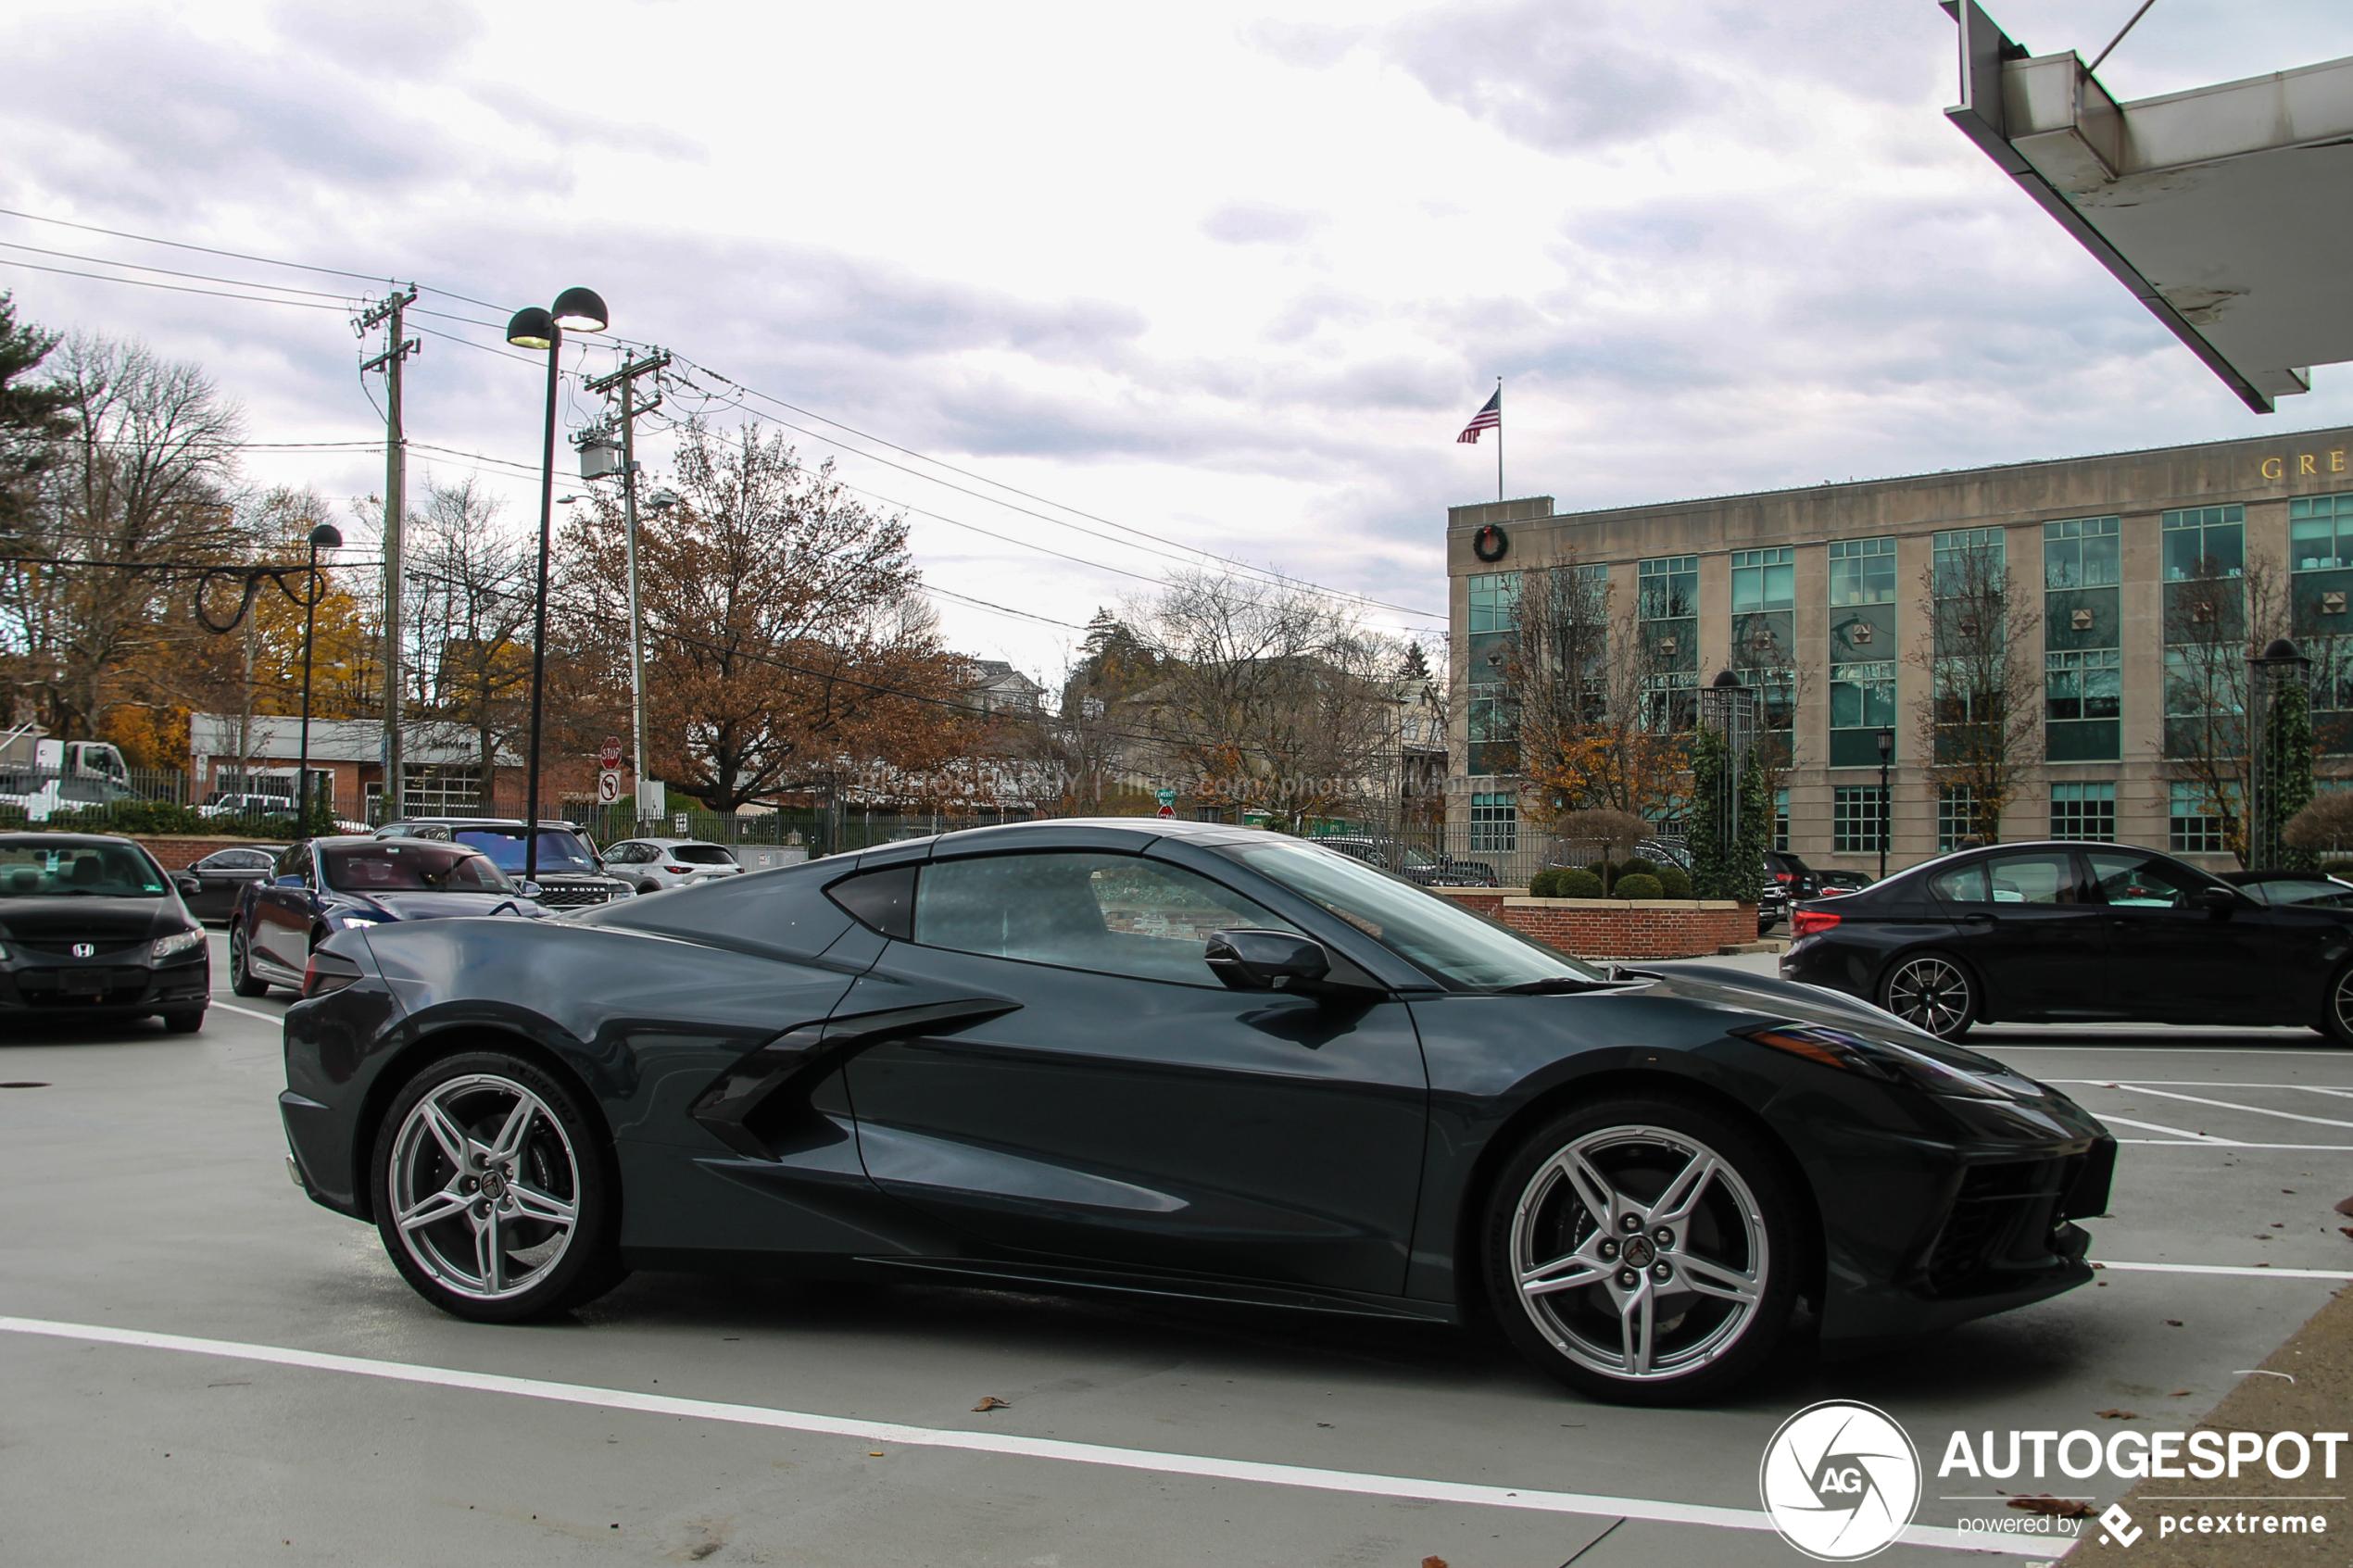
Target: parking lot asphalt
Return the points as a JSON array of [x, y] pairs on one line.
[[334, 1417]]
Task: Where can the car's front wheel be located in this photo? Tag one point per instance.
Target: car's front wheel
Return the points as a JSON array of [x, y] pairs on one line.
[[242, 978], [1643, 1250], [1931, 992], [495, 1192], [183, 1021], [2337, 1007]]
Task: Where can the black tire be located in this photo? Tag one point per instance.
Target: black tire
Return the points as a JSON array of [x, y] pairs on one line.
[[242, 978], [1932, 991], [1739, 1232], [2337, 1007], [183, 1021], [646, 887], [561, 1158]]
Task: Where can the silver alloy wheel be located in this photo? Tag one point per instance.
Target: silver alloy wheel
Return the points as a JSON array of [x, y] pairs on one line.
[[2342, 1000], [484, 1187], [1929, 993], [1639, 1253]]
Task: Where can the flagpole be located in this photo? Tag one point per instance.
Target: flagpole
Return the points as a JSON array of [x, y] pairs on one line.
[[1499, 438]]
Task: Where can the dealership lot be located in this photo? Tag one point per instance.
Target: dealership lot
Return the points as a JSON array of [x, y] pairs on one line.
[[142, 1193]]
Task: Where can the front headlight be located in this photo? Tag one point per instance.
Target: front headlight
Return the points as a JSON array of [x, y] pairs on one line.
[[177, 943], [624, 890], [347, 919], [1889, 1062]]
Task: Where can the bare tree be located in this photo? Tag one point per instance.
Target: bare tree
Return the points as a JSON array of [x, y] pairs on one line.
[[1981, 725], [469, 606], [2213, 617], [1274, 697]]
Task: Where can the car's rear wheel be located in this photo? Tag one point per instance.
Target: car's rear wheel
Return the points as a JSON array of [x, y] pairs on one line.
[[242, 978], [1933, 992], [1643, 1250], [2337, 1007], [183, 1021], [495, 1191]]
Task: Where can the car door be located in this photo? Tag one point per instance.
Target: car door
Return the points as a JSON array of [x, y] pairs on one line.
[[2171, 958], [1130, 1112], [2023, 922], [220, 876], [281, 913]]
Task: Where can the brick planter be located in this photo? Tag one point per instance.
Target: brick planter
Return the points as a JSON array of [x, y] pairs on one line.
[[1617, 928]]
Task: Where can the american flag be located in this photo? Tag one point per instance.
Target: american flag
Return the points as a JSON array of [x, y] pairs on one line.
[[1490, 417]]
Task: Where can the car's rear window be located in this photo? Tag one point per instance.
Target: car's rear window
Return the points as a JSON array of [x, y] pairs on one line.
[[701, 855], [413, 867]]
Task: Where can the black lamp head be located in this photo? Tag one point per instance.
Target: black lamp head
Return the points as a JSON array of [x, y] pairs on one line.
[[1886, 742], [581, 311], [533, 328], [2281, 649], [326, 536], [1724, 679]]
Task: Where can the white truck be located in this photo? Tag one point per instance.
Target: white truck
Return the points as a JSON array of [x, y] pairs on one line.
[[41, 775]]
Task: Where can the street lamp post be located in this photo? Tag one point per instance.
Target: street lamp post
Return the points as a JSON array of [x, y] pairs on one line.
[[1886, 817], [532, 327], [326, 536]]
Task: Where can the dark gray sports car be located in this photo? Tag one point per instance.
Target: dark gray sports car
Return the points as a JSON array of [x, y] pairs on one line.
[[1173, 1060]]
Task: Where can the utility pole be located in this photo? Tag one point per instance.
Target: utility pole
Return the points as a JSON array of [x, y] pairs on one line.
[[388, 312], [626, 379]]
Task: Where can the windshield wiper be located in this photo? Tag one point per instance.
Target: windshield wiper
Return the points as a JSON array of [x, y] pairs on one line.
[[1557, 985]]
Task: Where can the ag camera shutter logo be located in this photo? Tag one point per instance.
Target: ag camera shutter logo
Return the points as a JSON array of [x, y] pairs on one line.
[[1839, 1480]]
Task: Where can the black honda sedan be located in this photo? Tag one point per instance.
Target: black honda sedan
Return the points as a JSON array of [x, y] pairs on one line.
[[90, 926], [327, 884], [2066, 931], [1169, 1061]]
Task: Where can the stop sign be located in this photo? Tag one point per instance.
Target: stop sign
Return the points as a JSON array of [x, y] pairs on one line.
[[610, 756]]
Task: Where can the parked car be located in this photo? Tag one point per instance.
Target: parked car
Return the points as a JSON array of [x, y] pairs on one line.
[[2294, 887], [2058, 932], [1412, 862], [323, 885], [1837, 884], [249, 807], [1772, 906], [652, 864], [209, 888], [569, 876], [90, 926], [1175, 1061], [1798, 879]]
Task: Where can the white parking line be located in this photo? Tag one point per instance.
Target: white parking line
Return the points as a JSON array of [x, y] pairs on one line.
[[1004, 1443], [2249, 1271], [248, 1013], [2218, 1104]]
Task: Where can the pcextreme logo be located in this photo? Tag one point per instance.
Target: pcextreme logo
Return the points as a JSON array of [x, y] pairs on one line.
[[1840, 1481]]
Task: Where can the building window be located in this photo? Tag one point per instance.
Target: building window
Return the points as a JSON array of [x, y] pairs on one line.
[[1862, 704], [1667, 612], [1957, 556], [2204, 541], [1764, 579], [1495, 824], [1956, 814], [2082, 553], [1862, 571], [2195, 827], [2082, 704], [2083, 811], [2320, 588], [1858, 821], [1671, 703], [1765, 634], [1780, 820]]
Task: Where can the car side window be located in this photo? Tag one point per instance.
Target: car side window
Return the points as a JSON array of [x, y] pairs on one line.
[[2137, 882], [623, 854], [294, 862], [2039, 877], [1962, 885], [1112, 914]]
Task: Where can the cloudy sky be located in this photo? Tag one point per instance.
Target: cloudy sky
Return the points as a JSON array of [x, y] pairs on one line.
[[1231, 276]]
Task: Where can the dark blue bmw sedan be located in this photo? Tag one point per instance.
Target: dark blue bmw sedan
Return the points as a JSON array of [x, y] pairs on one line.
[[323, 885]]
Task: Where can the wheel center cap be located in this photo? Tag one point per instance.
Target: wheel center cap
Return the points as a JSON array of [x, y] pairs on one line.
[[493, 1185], [1640, 1252]]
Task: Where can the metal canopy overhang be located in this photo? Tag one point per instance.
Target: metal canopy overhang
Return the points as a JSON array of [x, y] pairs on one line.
[[2227, 210]]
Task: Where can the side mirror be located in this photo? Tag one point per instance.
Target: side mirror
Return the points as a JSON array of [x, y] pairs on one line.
[[2219, 900], [188, 886], [285, 881], [1266, 961], [528, 889]]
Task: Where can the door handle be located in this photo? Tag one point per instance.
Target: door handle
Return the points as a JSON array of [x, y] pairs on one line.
[[1977, 917]]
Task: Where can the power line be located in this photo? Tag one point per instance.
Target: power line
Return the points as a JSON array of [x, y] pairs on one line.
[[175, 288], [169, 271]]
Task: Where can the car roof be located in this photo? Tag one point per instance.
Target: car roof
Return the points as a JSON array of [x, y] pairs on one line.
[[679, 843], [1129, 833], [63, 840]]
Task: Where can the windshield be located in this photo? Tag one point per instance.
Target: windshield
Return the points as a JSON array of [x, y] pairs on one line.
[[1457, 946], [558, 851], [409, 868], [98, 870], [2319, 892]]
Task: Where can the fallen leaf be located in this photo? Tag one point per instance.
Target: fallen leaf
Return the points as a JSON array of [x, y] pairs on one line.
[[2290, 1191], [702, 1551], [2346, 1229], [2278, 1225], [2178, 1394], [2061, 1508], [1433, 1562], [2172, 1322], [2346, 1207], [991, 1402], [2118, 1415], [873, 1453]]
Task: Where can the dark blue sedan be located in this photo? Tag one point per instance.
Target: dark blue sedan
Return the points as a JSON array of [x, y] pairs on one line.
[[323, 885]]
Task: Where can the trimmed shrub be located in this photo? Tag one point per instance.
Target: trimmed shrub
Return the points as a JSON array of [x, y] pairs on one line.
[[1641, 885], [2336, 868], [1577, 884], [1636, 865], [1676, 881], [1546, 883]]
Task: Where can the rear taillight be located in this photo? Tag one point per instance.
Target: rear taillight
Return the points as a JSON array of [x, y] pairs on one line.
[[1811, 923], [1784, 876], [678, 870]]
